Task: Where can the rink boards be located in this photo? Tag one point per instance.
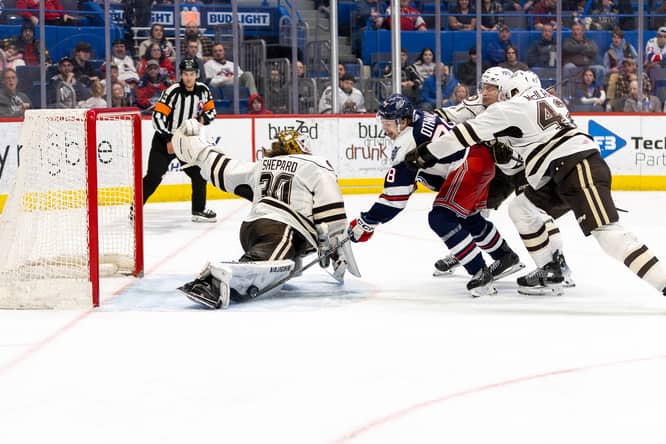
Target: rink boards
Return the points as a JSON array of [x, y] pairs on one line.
[[634, 146]]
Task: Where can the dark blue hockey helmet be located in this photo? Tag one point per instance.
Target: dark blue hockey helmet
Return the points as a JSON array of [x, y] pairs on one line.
[[395, 107]]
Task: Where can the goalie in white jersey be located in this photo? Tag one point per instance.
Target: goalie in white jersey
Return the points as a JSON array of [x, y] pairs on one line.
[[565, 171], [297, 208]]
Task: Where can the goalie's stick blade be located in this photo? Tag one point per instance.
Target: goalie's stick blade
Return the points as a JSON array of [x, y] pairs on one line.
[[348, 253]]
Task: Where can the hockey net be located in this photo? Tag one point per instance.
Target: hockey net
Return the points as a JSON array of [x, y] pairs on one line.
[[75, 209]]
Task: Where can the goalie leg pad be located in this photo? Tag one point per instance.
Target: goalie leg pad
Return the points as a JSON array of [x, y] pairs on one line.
[[246, 279]]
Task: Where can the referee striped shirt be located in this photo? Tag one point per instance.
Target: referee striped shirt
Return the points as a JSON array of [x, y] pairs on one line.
[[177, 105]]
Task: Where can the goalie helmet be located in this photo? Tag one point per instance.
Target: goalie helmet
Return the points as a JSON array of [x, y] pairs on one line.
[[395, 107], [495, 76], [288, 142], [518, 83]]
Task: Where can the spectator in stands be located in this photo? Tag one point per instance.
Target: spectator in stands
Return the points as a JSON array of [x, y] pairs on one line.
[[191, 49], [96, 100], [604, 16], [306, 91], [428, 99], [13, 103], [350, 99], [125, 63], [544, 12], [459, 94], [155, 53], [542, 53], [620, 90], [462, 16], [512, 63], [410, 80], [119, 98], [150, 87], [492, 15], [28, 47], [257, 105], [157, 36], [589, 95], [466, 71], [517, 6], [63, 90], [278, 92], [128, 87], [13, 58], [618, 50], [204, 44], [634, 104], [579, 53], [53, 15], [369, 14], [496, 50], [655, 50], [83, 69], [220, 71], [425, 63], [410, 18]]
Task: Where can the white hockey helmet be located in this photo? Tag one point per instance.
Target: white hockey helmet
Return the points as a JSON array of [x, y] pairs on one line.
[[519, 82], [495, 76]]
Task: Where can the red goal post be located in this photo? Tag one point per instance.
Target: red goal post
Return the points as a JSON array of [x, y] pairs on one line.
[[75, 210]]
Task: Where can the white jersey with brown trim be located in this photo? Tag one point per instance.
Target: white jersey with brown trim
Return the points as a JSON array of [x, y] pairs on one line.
[[299, 190], [535, 124], [467, 109]]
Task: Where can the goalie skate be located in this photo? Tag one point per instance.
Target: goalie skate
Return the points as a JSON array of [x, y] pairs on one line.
[[506, 265], [210, 288], [445, 266]]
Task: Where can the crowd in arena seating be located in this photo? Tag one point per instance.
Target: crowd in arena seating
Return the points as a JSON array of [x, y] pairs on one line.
[[597, 79]]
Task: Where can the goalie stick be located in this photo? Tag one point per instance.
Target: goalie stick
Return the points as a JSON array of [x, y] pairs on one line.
[[253, 292]]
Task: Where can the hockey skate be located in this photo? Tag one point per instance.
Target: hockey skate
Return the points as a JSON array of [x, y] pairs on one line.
[[566, 271], [506, 265], [546, 280], [445, 266], [208, 290], [481, 283]]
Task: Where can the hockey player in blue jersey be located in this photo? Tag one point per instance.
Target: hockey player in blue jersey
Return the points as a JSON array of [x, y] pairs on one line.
[[461, 180]]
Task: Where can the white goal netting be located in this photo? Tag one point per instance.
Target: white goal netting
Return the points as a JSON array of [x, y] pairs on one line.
[[47, 228]]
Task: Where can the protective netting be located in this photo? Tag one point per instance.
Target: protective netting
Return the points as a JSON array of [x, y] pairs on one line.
[[44, 227]]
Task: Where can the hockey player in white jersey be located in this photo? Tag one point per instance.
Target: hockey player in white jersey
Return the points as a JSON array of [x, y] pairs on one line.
[[502, 185], [462, 181], [297, 208], [565, 171]]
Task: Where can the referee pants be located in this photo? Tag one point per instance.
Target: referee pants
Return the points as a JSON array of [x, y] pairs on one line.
[[158, 163]]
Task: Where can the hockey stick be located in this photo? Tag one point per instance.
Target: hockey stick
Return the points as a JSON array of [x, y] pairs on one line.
[[253, 292]]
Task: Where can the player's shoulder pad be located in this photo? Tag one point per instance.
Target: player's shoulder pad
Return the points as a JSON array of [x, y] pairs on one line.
[[317, 161]]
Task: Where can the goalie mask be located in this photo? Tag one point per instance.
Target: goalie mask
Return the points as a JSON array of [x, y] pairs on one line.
[[288, 142]]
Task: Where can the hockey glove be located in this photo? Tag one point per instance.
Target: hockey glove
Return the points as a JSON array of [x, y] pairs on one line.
[[501, 152], [360, 230], [420, 157]]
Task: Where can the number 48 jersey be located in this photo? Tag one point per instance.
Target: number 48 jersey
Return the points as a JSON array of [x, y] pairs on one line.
[[535, 124]]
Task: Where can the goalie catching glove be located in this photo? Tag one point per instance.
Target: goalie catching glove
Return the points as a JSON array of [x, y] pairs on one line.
[[361, 229], [188, 145]]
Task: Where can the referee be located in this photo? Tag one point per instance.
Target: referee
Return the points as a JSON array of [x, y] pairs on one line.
[[184, 100]]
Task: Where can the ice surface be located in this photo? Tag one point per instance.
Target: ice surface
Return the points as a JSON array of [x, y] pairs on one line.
[[395, 357]]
